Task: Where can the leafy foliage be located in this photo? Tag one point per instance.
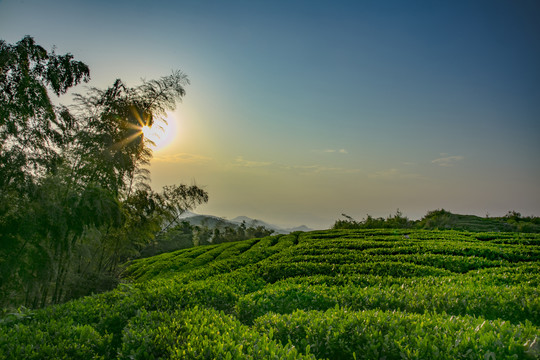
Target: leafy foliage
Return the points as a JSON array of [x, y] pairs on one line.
[[30, 128], [375, 334]]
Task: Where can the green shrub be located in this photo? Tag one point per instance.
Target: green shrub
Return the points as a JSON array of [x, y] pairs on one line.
[[516, 303], [284, 299], [198, 333], [54, 339], [374, 334]]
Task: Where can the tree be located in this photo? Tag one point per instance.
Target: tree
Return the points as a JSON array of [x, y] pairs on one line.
[[108, 146], [176, 237], [31, 134], [75, 200], [30, 128], [397, 221]]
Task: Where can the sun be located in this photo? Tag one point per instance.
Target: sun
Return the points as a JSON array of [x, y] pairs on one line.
[[147, 131], [161, 133]]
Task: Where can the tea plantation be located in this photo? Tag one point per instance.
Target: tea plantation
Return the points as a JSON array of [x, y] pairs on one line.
[[336, 294]]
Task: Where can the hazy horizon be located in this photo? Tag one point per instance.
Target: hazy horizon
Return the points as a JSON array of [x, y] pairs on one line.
[[300, 111]]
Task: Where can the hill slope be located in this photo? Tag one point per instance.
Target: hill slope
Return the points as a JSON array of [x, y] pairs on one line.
[[339, 294]]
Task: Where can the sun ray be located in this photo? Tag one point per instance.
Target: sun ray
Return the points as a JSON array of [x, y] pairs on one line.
[[142, 121], [127, 140], [134, 126], [156, 134]]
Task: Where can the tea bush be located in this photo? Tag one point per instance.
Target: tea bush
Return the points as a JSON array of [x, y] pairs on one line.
[[374, 334], [198, 334]]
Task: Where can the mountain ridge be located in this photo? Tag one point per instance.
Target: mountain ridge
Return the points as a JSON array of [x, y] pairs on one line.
[[213, 221]]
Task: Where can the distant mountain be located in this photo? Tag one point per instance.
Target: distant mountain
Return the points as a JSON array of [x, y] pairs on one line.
[[187, 214], [277, 229], [300, 228], [215, 221], [207, 220], [255, 222]]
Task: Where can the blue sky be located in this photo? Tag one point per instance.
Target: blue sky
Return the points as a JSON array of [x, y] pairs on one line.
[[299, 111]]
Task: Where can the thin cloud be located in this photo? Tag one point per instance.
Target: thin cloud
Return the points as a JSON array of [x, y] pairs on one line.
[[447, 161], [394, 174], [182, 158], [240, 161], [305, 169], [330, 151], [320, 169]]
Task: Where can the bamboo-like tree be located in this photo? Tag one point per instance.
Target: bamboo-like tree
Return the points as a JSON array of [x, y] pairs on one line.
[[75, 200]]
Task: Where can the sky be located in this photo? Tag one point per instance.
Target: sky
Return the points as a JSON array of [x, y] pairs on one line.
[[299, 111]]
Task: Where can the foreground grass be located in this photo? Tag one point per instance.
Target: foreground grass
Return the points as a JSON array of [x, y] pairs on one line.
[[340, 294]]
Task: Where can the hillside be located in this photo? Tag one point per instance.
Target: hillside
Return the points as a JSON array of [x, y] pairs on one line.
[[337, 294]]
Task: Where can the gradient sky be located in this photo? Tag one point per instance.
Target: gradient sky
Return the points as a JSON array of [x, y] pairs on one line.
[[299, 111]]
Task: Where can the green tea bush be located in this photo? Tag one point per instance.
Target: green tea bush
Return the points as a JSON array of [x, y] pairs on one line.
[[198, 334], [374, 334], [237, 249], [149, 268], [54, 339], [516, 304], [284, 299], [168, 294], [526, 274]]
